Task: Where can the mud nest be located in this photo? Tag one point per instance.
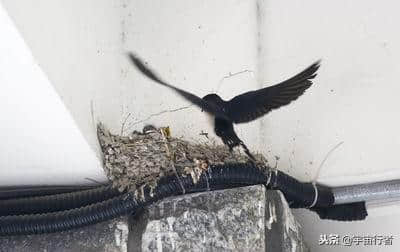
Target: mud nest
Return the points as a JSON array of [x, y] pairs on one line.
[[142, 158]]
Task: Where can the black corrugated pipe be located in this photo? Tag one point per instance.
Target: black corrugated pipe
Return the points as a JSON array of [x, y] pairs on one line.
[[66, 201], [217, 177], [48, 219], [14, 192], [56, 202], [317, 198]]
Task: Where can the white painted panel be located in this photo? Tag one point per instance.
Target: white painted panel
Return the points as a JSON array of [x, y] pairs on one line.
[[354, 100], [195, 45], [198, 45], [78, 44], [40, 142]]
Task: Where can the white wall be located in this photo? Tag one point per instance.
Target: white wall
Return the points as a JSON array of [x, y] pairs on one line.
[[354, 100], [195, 44], [81, 47], [78, 44], [77, 50], [40, 142]]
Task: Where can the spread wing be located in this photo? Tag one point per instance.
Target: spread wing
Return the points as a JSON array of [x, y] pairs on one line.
[[140, 65], [254, 104]]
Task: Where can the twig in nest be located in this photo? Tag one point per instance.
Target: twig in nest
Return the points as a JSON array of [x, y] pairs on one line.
[[123, 124], [165, 133], [203, 133]]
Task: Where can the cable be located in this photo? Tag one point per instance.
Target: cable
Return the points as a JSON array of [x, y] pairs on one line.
[[56, 202], [220, 177], [60, 212]]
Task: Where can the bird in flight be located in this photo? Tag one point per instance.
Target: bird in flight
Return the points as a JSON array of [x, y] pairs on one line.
[[242, 108]]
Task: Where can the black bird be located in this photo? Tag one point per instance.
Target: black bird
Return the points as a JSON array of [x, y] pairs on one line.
[[242, 108]]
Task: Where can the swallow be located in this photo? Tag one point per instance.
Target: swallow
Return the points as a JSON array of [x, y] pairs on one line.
[[242, 108]]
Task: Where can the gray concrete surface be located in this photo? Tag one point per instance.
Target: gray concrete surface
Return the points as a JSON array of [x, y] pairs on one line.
[[241, 219]]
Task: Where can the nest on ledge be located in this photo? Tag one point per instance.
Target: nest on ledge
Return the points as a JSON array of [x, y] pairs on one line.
[[142, 158]]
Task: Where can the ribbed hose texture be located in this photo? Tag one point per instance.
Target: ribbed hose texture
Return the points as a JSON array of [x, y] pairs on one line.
[[217, 177], [56, 202], [65, 220], [14, 192], [301, 195], [46, 214]]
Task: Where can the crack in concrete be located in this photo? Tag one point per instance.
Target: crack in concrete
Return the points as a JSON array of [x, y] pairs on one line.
[[230, 75], [157, 114]]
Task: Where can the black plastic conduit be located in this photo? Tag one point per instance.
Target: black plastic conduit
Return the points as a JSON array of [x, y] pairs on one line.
[[56, 202], [13, 192], [317, 198], [89, 207]]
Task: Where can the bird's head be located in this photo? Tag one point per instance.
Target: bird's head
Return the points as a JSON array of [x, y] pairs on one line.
[[213, 100]]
